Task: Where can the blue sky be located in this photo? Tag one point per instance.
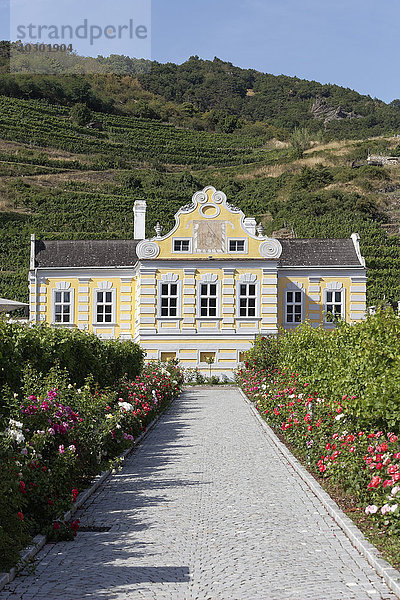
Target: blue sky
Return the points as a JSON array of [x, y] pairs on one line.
[[354, 43]]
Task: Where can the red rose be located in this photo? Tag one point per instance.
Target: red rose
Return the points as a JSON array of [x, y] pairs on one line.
[[392, 469], [387, 482], [375, 481]]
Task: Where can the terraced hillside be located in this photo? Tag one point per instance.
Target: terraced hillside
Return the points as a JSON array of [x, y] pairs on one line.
[[61, 180]]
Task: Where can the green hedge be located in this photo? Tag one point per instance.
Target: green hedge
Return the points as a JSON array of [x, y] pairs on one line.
[[80, 353], [361, 361]]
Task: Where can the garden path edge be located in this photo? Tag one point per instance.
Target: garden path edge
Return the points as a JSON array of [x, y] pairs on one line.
[[40, 540], [390, 575]]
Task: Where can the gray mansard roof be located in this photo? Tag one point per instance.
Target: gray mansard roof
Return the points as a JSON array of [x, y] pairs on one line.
[[85, 253], [122, 253], [318, 253]]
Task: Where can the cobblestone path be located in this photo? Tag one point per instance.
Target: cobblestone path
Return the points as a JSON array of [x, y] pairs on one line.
[[205, 508]]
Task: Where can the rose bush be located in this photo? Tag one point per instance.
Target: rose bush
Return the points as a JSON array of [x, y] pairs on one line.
[[360, 360], [58, 437], [326, 433]]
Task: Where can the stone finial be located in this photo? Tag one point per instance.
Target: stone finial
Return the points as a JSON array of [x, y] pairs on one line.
[[158, 229], [260, 230]]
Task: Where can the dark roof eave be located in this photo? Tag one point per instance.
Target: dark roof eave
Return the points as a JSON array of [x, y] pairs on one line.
[[49, 268], [338, 266]]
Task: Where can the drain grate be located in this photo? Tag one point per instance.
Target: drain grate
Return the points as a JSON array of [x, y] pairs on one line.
[[88, 528]]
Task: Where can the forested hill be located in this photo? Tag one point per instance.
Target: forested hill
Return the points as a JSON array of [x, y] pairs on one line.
[[76, 152], [285, 102], [200, 95]]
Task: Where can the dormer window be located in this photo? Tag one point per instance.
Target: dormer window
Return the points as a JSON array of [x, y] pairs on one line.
[[181, 245], [237, 245]]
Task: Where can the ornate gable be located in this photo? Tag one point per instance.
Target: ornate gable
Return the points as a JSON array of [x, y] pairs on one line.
[[209, 225]]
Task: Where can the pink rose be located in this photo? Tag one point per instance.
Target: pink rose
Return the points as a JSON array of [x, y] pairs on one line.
[[371, 509]]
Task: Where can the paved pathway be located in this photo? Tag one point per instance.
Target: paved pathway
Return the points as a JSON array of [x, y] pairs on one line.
[[206, 508]]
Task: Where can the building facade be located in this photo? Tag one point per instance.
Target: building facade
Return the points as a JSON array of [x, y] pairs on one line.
[[200, 293]]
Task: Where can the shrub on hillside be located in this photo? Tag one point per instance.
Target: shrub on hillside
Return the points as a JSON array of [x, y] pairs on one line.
[[80, 114]]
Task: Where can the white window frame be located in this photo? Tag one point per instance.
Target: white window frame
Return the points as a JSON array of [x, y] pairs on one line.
[[294, 289], [181, 239], [245, 249], [101, 324], [334, 288], [218, 297], [256, 296], [178, 284], [71, 304]]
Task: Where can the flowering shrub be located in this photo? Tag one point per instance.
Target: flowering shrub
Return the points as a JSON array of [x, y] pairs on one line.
[[55, 440], [361, 360], [365, 462], [79, 352]]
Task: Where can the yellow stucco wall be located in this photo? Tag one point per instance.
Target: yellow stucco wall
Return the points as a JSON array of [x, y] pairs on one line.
[[83, 303]]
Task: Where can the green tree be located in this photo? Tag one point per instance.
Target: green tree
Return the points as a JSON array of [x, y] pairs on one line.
[[80, 114]]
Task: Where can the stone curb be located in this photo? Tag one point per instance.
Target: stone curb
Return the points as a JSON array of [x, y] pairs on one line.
[[40, 540], [390, 575]]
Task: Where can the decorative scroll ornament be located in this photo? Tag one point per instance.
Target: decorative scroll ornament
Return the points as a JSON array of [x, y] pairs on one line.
[[200, 197], [147, 249], [219, 197], [232, 208], [105, 285], [270, 248], [188, 208]]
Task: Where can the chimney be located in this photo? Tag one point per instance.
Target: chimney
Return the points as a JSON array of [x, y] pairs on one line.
[[139, 227], [250, 225], [33, 248]]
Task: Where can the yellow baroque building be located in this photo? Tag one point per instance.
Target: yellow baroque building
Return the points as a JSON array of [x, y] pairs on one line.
[[200, 293]]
